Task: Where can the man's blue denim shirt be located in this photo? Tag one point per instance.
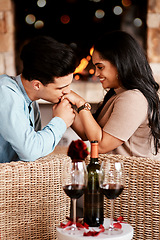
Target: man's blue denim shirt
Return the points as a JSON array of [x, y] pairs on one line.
[[20, 135]]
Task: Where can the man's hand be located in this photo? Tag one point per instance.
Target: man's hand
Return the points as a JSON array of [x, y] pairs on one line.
[[65, 111]]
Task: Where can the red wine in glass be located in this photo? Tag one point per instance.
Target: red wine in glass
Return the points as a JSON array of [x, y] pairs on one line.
[[74, 183], [111, 182], [74, 190], [112, 191]]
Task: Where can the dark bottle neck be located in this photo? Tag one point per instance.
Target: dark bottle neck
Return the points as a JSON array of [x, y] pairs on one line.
[[94, 160]]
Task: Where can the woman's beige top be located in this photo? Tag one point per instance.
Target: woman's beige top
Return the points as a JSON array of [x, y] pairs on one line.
[[125, 116]]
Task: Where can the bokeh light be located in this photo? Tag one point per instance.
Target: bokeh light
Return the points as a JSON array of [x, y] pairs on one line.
[[39, 24], [99, 13], [30, 19], [41, 3], [117, 10], [76, 77], [79, 23], [137, 22], [88, 58], [65, 19], [126, 3], [91, 71]]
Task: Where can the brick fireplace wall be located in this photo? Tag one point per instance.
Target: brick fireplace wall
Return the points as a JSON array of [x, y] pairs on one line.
[[7, 41], [153, 37], [7, 37]]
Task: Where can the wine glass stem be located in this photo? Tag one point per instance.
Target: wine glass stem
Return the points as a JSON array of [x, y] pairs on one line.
[[74, 211], [111, 219]]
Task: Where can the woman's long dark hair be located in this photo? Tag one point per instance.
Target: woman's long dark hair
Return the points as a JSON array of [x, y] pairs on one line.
[[134, 72]]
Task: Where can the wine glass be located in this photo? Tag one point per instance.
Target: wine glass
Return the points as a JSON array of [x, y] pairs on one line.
[[111, 182], [74, 182]]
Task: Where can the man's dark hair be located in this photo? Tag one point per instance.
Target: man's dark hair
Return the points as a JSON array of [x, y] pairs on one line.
[[45, 58]]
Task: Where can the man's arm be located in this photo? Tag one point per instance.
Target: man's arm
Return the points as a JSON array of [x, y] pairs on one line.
[[15, 128]]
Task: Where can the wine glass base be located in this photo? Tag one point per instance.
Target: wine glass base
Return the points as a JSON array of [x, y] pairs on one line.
[[113, 231], [74, 231]]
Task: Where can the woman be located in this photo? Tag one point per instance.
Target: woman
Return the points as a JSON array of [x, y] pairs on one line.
[[128, 122]]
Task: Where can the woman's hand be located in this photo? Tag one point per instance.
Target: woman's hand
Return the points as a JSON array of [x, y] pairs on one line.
[[74, 98], [65, 111]]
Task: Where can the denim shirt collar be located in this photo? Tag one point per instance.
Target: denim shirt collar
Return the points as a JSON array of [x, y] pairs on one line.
[[19, 82]]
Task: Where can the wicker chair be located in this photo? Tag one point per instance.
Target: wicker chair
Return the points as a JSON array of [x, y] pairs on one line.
[[32, 201], [139, 203]]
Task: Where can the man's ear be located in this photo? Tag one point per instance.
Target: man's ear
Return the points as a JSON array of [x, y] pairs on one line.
[[36, 85]]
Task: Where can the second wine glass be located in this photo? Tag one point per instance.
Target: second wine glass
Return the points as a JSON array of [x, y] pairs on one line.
[[111, 182], [74, 183]]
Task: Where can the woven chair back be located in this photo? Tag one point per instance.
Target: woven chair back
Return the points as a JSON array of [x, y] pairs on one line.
[[32, 201], [139, 202]]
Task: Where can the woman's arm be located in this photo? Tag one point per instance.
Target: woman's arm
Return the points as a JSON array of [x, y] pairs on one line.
[[93, 132], [85, 125], [77, 126]]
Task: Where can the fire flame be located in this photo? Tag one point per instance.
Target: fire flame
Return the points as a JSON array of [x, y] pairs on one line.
[[83, 63]]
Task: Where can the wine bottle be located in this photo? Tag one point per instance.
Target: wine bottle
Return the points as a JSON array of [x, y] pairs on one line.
[[93, 197]]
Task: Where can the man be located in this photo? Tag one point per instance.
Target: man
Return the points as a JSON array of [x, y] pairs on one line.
[[48, 68]]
